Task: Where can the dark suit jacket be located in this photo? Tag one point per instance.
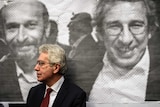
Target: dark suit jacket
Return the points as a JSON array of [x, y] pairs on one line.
[[88, 52], [69, 95], [88, 55], [10, 90], [153, 85]]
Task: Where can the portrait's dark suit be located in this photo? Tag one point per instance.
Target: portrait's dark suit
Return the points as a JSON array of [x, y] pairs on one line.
[[10, 90], [88, 52], [69, 95], [88, 55], [153, 85]]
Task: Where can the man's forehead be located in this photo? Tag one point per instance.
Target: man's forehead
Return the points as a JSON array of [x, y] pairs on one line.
[[126, 8], [32, 7], [8, 2]]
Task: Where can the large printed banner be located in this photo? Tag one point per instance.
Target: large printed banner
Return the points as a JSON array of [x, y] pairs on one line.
[[114, 58]]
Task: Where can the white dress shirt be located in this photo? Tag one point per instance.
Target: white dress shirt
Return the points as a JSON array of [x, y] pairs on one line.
[[26, 81], [56, 87], [110, 87]]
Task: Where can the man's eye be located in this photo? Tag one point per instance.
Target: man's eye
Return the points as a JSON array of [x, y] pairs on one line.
[[40, 63], [114, 26], [136, 25], [31, 25], [12, 26]]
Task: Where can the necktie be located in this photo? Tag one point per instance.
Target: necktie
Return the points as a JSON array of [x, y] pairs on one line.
[[45, 101]]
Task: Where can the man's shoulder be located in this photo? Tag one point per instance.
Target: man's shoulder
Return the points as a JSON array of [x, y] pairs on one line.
[[72, 86], [39, 86], [88, 40]]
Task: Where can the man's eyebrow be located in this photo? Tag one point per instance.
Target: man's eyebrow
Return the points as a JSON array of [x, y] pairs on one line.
[[11, 24], [40, 61], [112, 22], [138, 21], [31, 21]]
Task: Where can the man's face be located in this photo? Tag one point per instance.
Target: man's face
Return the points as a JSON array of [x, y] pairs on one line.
[[75, 32], [24, 29], [126, 33], [43, 68]]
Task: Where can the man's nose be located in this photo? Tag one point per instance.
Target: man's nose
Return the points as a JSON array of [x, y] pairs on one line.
[[36, 68], [126, 37], [21, 36]]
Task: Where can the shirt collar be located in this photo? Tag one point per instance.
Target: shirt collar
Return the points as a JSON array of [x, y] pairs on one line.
[[28, 77], [56, 87]]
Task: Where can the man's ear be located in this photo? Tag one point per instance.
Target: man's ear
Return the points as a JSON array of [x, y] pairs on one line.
[[48, 29], [56, 68]]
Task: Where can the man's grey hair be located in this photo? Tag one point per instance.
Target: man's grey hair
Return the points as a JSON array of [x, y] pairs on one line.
[[105, 5], [56, 55]]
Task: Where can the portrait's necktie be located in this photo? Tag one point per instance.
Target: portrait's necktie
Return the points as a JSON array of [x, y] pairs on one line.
[[45, 101]]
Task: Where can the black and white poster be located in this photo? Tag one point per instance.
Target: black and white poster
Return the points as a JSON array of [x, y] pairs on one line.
[[112, 48]]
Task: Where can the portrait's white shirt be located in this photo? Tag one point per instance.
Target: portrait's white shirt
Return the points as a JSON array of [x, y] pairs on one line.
[[110, 87], [56, 87], [26, 81]]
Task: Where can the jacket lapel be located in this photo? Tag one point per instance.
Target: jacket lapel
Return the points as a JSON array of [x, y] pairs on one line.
[[153, 83], [61, 94], [40, 95]]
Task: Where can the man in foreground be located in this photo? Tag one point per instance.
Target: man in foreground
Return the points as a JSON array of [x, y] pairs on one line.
[[50, 68]]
